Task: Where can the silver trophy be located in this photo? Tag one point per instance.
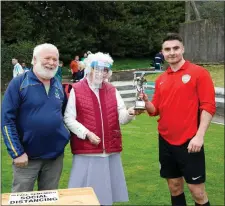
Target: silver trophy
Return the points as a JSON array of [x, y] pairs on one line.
[[138, 82]]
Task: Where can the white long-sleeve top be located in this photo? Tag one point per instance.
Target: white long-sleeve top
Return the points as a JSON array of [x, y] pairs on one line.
[[18, 69], [81, 131]]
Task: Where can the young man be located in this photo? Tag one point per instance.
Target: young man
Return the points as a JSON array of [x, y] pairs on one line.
[[17, 69], [93, 114], [32, 123], [184, 99]]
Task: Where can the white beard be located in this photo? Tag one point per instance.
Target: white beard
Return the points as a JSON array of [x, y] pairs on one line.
[[45, 73]]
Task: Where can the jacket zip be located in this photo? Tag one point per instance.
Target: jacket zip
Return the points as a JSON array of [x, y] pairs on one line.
[[48, 90]]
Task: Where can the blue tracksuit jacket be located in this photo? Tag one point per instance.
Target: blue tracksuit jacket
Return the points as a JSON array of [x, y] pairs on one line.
[[32, 120]]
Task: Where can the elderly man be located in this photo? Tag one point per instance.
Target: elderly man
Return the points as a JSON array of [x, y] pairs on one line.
[[93, 114], [17, 69], [32, 123]]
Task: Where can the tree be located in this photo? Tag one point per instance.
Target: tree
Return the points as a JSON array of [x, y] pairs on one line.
[[197, 14], [132, 29], [187, 11]]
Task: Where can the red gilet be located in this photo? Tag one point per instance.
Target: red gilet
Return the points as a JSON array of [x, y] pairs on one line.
[[101, 119]]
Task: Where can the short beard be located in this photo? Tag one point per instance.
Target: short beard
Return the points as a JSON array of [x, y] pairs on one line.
[[176, 62], [45, 73]]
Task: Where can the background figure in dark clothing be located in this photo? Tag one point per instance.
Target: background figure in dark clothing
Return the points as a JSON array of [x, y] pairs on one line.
[[158, 61], [25, 68], [80, 73]]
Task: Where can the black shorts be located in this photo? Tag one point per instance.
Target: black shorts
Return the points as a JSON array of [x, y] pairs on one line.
[[176, 162]]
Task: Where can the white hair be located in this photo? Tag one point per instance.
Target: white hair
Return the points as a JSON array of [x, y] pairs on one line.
[[42, 47], [99, 56]]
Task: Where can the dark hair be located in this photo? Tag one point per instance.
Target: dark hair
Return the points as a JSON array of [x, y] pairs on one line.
[[172, 36]]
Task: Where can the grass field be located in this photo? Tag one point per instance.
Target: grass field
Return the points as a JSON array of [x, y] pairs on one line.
[[123, 64], [140, 161], [216, 71]]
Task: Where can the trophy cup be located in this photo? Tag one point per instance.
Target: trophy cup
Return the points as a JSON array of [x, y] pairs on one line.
[[138, 82]]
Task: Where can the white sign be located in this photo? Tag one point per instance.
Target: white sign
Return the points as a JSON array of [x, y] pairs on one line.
[[32, 198]]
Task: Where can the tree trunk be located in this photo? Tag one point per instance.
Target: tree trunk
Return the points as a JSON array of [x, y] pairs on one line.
[[187, 11], [197, 14]]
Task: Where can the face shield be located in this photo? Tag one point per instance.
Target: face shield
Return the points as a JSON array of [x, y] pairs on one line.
[[100, 72]]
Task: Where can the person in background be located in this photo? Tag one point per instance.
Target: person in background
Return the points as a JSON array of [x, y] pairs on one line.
[[84, 64], [74, 66], [59, 71], [32, 123], [184, 99], [84, 57], [80, 74], [25, 68], [158, 61], [93, 114], [17, 69]]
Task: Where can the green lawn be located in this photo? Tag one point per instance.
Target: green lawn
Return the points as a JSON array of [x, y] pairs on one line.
[[140, 161], [216, 71], [122, 64]]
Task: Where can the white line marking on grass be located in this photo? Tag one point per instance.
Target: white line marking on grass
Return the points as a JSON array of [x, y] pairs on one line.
[[218, 123]]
